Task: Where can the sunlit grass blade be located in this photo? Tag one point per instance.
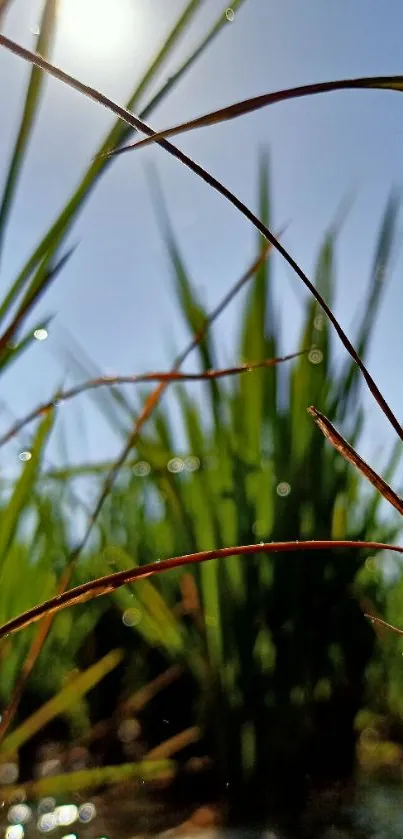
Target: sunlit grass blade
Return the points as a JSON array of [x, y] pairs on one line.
[[80, 685], [255, 103], [44, 43]]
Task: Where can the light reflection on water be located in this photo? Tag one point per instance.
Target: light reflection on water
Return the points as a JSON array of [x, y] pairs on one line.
[[377, 813]]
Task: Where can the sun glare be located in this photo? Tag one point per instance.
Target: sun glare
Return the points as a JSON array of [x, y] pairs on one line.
[[97, 27]]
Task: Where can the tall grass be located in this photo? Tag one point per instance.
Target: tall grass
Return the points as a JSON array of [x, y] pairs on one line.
[[277, 645], [45, 559]]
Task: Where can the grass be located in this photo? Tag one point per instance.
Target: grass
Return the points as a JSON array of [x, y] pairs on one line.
[[262, 479]]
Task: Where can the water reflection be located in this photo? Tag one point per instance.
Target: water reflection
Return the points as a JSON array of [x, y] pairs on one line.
[[371, 810]]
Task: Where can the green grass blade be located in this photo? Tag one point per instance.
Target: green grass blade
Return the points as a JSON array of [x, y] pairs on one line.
[[11, 515], [208, 39], [60, 703], [383, 258], [310, 380], [192, 310], [253, 340], [84, 779], [44, 276], [150, 600], [112, 403], [13, 351], [36, 83]]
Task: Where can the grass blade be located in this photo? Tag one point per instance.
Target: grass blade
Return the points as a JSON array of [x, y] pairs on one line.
[[349, 454], [58, 704], [13, 351], [255, 103], [105, 585], [42, 279], [385, 248], [84, 779], [44, 43], [165, 377], [11, 515]]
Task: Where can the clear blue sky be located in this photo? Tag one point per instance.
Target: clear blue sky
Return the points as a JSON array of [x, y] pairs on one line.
[[115, 295]]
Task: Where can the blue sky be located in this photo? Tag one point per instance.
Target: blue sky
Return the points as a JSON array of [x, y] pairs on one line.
[[115, 295]]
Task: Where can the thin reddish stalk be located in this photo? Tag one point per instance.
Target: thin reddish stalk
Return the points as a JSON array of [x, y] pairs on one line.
[[110, 582], [140, 125], [141, 378], [255, 103], [351, 456], [383, 623]]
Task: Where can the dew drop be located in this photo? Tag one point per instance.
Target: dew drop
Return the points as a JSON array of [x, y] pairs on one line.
[[129, 730], [24, 456], [15, 831], [319, 322], [131, 617], [19, 814], [192, 463], [230, 15], [66, 814], [315, 356], [47, 822], [283, 489], [175, 465], [141, 468], [41, 334], [87, 811], [46, 805]]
